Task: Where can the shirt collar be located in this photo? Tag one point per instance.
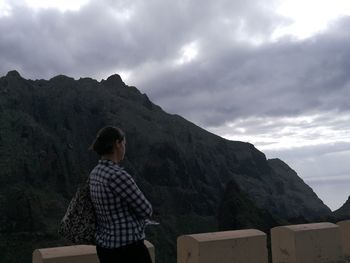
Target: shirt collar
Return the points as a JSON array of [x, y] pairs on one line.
[[107, 162]]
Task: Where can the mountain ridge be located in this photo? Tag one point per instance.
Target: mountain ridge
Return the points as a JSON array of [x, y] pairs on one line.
[[189, 174]]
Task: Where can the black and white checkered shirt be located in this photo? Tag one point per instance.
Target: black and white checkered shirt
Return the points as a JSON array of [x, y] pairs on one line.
[[120, 206]]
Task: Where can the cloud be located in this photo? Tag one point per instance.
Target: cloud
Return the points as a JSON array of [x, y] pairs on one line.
[[283, 78], [46, 42], [294, 132], [103, 36]]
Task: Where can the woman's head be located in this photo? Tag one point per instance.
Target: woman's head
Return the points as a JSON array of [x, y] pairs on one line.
[[107, 140]]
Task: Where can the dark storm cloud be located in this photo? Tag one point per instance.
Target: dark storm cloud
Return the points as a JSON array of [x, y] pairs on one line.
[[48, 42], [107, 36], [284, 78]]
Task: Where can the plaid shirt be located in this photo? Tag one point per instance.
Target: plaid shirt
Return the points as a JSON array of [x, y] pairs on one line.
[[120, 206]]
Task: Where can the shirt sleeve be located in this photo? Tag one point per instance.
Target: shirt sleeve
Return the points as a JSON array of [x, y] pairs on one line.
[[125, 187]]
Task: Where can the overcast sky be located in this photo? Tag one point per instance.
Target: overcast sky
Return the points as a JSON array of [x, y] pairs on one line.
[[273, 73]]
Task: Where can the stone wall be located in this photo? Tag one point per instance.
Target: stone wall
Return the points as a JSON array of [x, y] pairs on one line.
[[306, 243]]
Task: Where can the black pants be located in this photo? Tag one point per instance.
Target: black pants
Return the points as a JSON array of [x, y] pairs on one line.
[[134, 253]]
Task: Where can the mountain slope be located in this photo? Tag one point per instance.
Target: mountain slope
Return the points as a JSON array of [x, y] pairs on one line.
[[343, 213], [237, 211], [47, 126]]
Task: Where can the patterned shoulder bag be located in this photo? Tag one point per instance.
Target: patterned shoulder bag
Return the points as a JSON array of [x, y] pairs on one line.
[[78, 224]]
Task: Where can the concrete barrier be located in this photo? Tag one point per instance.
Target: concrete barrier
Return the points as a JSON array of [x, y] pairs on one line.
[[345, 237], [307, 243], [241, 246], [74, 254], [151, 250]]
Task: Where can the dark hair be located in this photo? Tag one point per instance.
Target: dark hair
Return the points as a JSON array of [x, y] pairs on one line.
[[105, 140]]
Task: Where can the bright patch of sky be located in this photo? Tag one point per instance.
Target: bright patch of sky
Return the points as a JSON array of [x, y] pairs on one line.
[[309, 17], [5, 8], [125, 75], [187, 53], [308, 130], [122, 14], [62, 5]]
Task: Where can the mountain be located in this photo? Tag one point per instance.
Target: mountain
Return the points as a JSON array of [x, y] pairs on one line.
[[196, 181], [237, 211], [343, 213]]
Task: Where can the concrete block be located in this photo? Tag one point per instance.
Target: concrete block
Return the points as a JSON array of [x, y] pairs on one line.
[[241, 246], [68, 254], [306, 243], [345, 237], [151, 250], [74, 254]]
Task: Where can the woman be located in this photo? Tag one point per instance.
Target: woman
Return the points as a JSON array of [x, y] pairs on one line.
[[121, 208]]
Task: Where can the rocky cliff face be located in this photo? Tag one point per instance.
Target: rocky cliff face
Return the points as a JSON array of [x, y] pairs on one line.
[[343, 213], [186, 172], [238, 211]]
